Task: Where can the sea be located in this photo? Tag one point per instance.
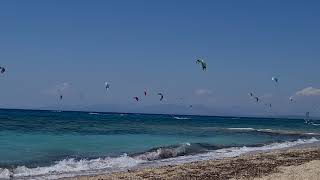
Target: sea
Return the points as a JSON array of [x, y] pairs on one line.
[[56, 144]]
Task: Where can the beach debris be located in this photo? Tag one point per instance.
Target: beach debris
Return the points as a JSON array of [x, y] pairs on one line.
[[136, 98], [2, 69], [161, 96], [107, 85], [203, 64]]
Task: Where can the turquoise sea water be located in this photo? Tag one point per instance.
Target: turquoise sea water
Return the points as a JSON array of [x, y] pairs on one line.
[[38, 144]]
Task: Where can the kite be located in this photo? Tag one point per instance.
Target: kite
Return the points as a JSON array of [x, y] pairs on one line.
[[203, 64], [161, 96], [107, 86], [2, 70]]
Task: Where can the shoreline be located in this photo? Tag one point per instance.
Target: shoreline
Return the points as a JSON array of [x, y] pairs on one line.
[[106, 168], [246, 166]]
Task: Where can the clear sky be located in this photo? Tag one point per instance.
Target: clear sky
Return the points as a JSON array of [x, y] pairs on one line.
[[154, 44]]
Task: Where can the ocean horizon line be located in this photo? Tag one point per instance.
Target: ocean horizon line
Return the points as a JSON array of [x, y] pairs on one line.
[[168, 114]]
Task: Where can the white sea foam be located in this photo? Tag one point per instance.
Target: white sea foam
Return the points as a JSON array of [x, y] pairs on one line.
[[245, 129], [5, 173], [181, 118], [68, 167], [162, 153], [273, 131], [93, 113], [72, 167], [315, 124], [233, 152], [235, 118]]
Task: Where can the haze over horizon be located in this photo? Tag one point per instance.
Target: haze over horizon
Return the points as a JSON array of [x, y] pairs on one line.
[[137, 45]]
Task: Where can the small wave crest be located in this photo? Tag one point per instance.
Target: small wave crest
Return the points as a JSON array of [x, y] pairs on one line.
[[182, 153], [71, 166], [181, 118], [314, 124], [244, 129], [170, 152], [93, 113], [234, 152], [235, 118], [272, 131]]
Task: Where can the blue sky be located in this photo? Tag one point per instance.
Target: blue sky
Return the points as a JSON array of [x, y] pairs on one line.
[[153, 44]]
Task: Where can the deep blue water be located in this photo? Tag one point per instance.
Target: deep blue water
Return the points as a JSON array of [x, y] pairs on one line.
[[44, 138]]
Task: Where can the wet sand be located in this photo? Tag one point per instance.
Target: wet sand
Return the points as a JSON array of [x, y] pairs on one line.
[[298, 163]]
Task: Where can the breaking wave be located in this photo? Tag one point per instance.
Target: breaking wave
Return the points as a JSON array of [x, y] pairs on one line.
[[183, 153], [233, 152], [71, 167]]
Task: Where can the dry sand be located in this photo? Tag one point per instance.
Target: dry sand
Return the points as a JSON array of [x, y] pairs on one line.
[[286, 164], [307, 171]]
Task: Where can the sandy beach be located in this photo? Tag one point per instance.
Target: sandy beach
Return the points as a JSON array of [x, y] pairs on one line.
[[297, 163], [159, 90]]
